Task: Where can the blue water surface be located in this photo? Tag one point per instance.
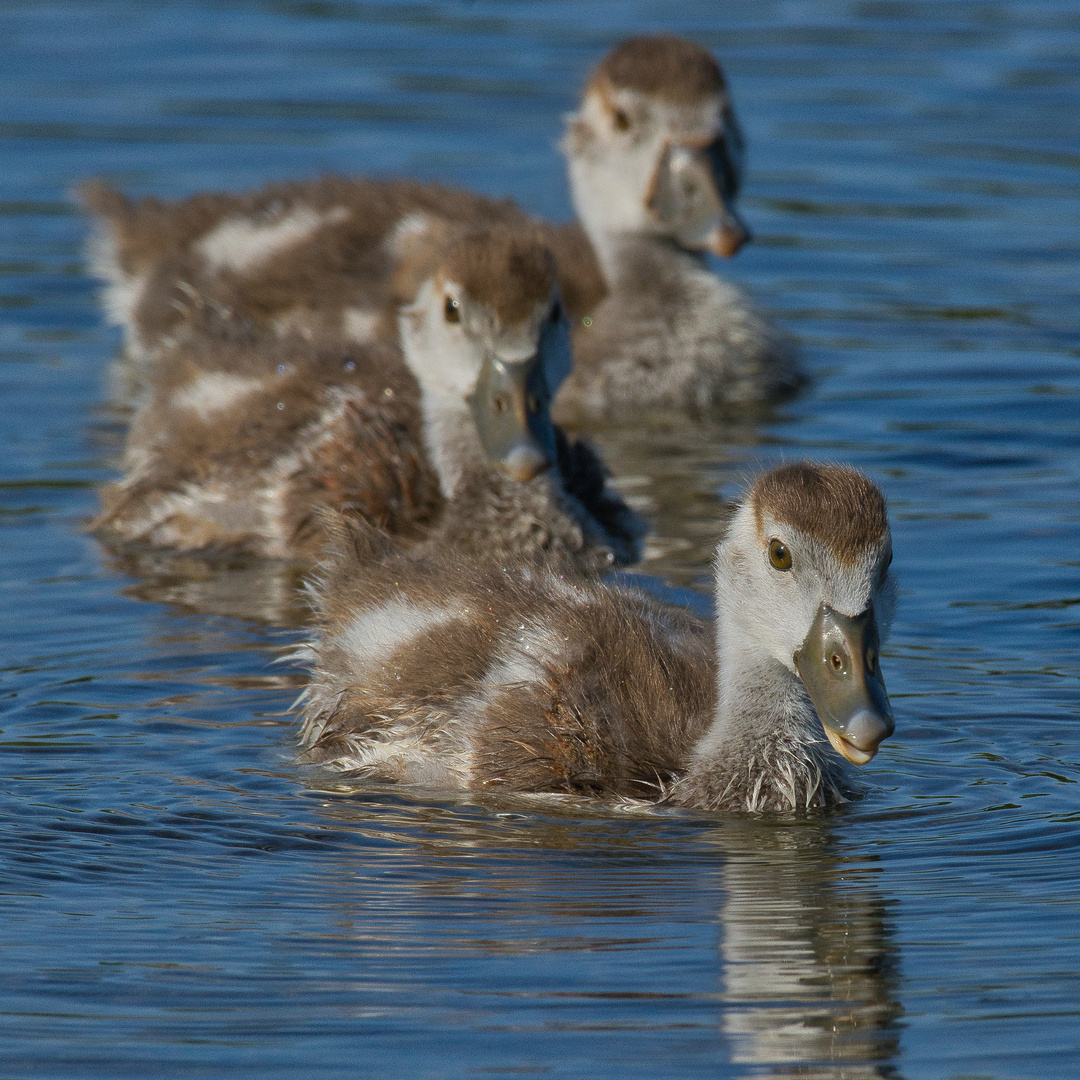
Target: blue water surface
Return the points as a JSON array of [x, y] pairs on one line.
[[179, 900]]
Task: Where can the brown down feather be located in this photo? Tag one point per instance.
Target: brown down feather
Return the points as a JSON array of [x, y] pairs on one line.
[[619, 710], [369, 460], [662, 66]]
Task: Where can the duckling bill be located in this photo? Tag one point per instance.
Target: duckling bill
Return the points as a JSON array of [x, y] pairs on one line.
[[459, 672], [838, 665], [511, 403]]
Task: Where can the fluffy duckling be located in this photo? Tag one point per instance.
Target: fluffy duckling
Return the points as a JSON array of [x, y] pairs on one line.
[[655, 161], [461, 673], [245, 435]]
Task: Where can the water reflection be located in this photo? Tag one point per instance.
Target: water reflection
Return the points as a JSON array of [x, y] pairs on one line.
[[807, 981], [264, 591], [671, 470], [809, 964]]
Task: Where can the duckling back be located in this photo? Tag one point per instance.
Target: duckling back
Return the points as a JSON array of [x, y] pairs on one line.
[[456, 671], [295, 256], [244, 434], [466, 673]]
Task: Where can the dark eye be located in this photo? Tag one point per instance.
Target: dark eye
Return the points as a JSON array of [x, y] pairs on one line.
[[620, 120], [452, 310], [779, 555], [556, 312]]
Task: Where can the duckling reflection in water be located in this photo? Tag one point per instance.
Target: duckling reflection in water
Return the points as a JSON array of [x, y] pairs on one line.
[[457, 672], [655, 159], [244, 434], [810, 979]]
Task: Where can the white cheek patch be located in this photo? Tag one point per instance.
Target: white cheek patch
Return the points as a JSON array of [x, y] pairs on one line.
[[214, 392], [374, 636], [239, 244]]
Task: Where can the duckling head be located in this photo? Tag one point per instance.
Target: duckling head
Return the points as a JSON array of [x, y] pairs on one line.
[[655, 148], [803, 579], [488, 341]]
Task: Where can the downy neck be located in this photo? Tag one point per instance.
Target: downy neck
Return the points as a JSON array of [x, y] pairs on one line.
[[450, 435], [638, 256], [450, 438], [765, 749]]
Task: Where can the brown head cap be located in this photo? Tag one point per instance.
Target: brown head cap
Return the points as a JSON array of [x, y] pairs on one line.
[[837, 506], [670, 68], [510, 269]]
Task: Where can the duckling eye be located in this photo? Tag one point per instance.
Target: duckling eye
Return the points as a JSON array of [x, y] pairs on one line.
[[779, 555], [501, 404], [452, 310], [620, 120]]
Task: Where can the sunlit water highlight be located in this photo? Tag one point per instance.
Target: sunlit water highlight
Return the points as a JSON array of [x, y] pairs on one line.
[[179, 900]]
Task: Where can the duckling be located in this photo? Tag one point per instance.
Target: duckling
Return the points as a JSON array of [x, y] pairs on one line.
[[464, 673], [655, 159], [246, 434], [655, 162]]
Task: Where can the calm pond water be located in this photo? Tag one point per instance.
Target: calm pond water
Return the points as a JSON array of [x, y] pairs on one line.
[[178, 900]]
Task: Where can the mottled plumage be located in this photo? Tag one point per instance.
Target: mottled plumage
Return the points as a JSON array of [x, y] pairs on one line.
[[244, 434]]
